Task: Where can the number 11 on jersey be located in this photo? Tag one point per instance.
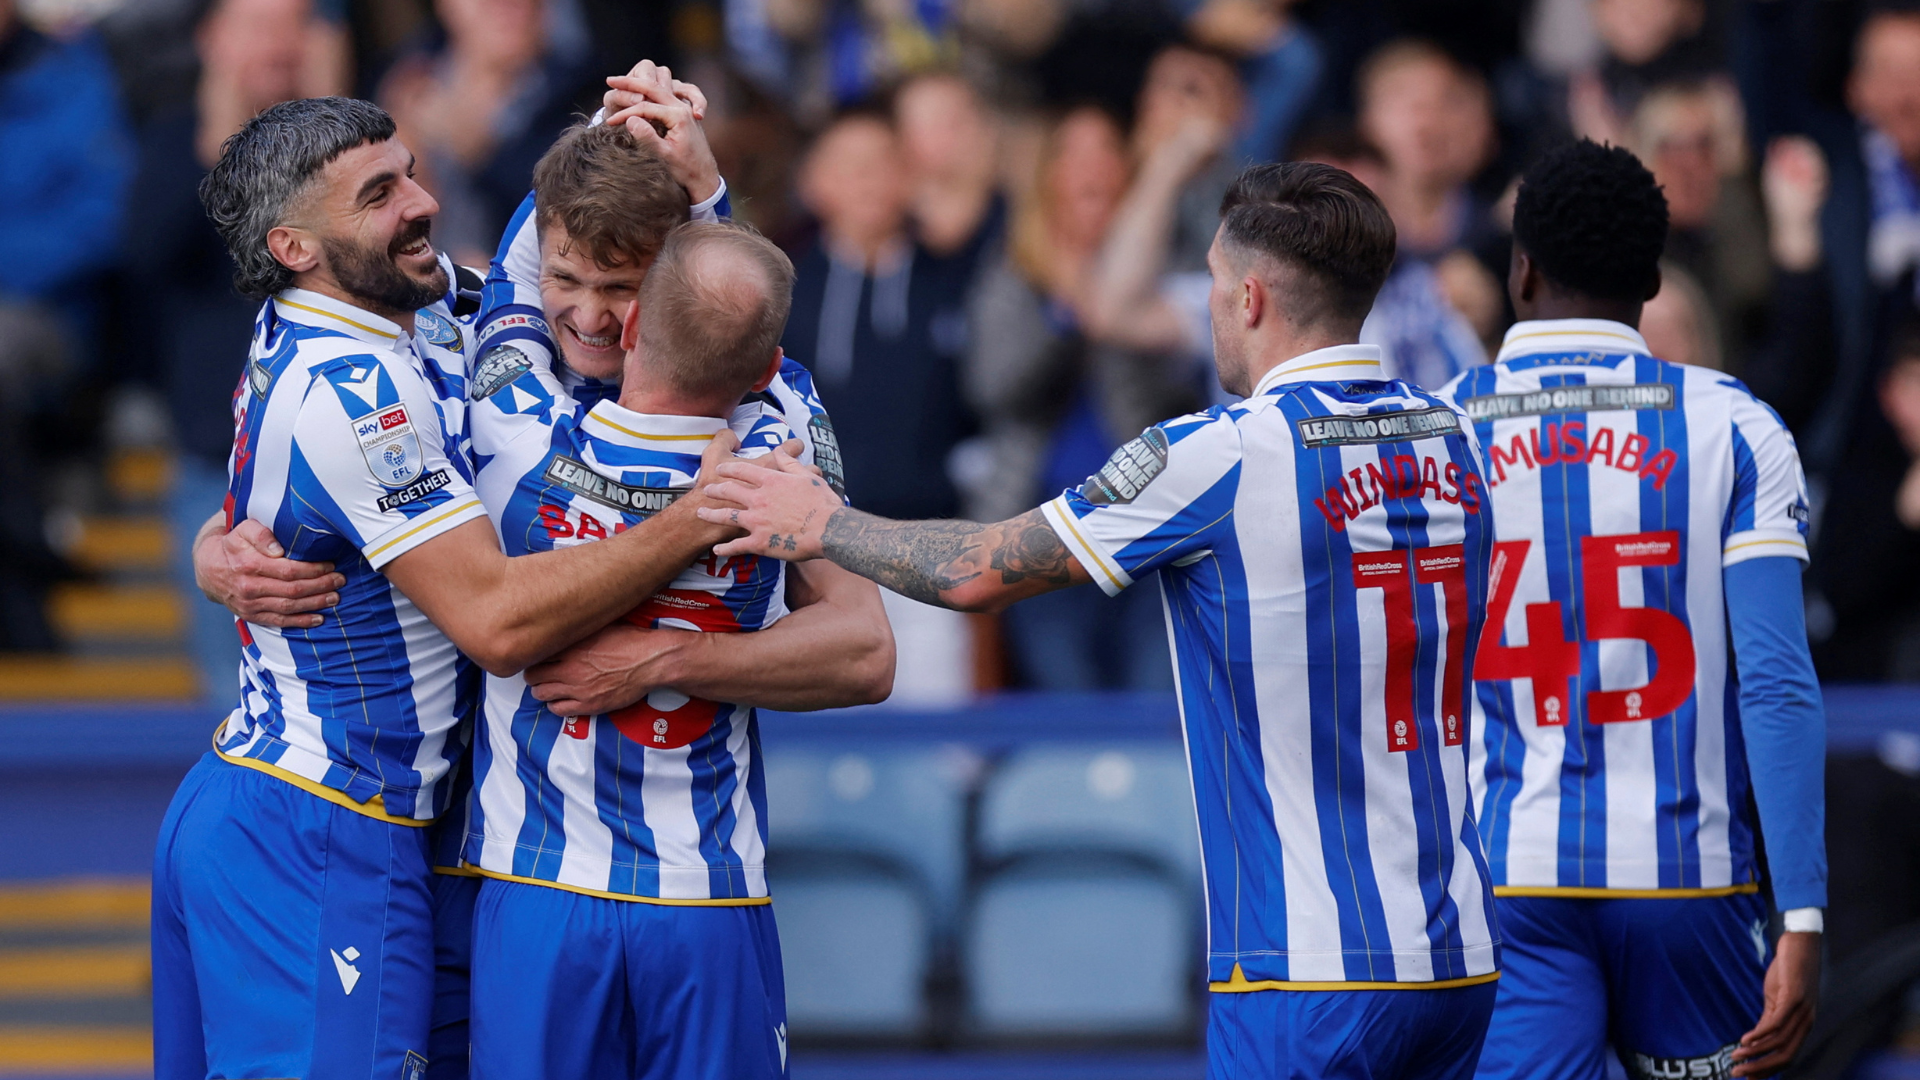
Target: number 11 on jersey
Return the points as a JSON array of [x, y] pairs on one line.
[[1445, 566]]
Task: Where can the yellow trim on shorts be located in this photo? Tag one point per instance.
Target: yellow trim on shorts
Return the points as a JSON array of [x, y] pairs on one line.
[[375, 808], [1239, 984], [746, 901], [1571, 892], [457, 871]]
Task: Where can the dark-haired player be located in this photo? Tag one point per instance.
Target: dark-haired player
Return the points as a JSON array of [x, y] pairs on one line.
[[1645, 513], [1321, 548]]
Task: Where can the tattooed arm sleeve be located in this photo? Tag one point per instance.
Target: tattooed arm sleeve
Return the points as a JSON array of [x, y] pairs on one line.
[[956, 564]]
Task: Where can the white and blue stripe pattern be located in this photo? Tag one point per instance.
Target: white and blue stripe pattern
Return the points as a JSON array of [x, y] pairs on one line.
[[1609, 759], [349, 445], [587, 803], [1322, 548]]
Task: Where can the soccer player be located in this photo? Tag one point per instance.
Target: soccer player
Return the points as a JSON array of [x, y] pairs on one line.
[[624, 928], [292, 931], [1645, 513], [1322, 550]]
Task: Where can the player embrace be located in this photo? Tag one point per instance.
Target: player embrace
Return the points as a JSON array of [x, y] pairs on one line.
[[1648, 515], [1321, 654]]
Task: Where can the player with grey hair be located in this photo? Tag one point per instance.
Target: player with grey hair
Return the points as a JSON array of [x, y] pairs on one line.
[[293, 905]]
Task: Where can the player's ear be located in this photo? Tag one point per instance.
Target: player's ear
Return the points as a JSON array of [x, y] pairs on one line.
[[630, 326], [1253, 301], [294, 248], [772, 372]]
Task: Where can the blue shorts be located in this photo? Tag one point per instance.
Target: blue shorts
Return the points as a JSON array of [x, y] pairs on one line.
[[453, 899], [1672, 984], [1347, 1034], [291, 936], [589, 988]]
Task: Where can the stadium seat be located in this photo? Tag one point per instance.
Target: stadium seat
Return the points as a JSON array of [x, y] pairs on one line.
[[1094, 946], [866, 862], [1086, 920], [1123, 797]]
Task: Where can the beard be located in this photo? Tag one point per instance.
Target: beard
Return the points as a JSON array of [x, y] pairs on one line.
[[372, 277]]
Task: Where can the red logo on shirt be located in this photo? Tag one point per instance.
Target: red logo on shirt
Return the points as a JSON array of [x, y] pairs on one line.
[[667, 719], [393, 418]]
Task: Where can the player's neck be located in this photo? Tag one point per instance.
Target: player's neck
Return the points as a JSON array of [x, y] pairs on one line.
[[1270, 351], [324, 284], [640, 395], [1571, 306]]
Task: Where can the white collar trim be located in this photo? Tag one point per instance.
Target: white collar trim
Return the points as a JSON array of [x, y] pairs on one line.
[[1537, 336], [315, 309], [1336, 362], [608, 420]]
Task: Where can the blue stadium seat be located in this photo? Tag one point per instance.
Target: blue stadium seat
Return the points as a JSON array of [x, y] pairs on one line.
[[1086, 922], [1056, 950], [866, 861], [856, 948], [1123, 797]]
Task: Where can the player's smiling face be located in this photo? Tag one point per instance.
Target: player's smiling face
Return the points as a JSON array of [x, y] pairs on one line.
[[374, 228], [584, 303]]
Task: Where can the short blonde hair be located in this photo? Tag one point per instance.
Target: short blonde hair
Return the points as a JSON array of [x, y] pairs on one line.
[[713, 306]]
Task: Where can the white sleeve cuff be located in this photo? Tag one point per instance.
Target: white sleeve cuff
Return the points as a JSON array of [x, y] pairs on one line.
[[599, 117], [1763, 543], [410, 534], [703, 210], [1804, 920], [1104, 571]]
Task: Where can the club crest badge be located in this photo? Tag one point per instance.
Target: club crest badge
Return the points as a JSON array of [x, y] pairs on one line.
[[391, 446], [438, 331]]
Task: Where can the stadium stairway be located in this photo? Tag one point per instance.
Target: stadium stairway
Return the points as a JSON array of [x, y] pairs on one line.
[[125, 628]]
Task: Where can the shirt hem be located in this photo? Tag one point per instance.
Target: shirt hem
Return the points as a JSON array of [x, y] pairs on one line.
[[745, 901], [1239, 984], [375, 807], [1574, 892]]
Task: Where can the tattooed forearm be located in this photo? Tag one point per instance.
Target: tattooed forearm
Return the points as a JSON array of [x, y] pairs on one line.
[[926, 559], [920, 559], [1029, 548]]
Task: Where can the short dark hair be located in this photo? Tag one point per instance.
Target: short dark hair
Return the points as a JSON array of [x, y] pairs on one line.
[[713, 306], [1317, 220], [266, 167], [1593, 220], [616, 199]]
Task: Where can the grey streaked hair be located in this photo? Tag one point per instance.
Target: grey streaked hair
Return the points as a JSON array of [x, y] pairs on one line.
[[267, 165]]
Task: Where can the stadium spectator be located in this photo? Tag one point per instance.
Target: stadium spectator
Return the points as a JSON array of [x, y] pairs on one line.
[[1792, 364], [880, 323], [1646, 43], [1185, 83], [196, 328], [1431, 118], [1281, 62], [1054, 405], [481, 107], [952, 163], [1692, 136], [1678, 323]]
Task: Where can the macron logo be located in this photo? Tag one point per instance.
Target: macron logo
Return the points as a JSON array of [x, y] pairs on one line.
[[349, 975], [780, 1033]]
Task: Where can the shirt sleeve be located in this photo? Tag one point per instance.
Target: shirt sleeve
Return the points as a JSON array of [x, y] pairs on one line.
[[1768, 514], [370, 464], [1158, 499], [800, 405], [1783, 724]]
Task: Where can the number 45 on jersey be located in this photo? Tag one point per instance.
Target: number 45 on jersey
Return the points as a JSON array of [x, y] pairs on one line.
[[1550, 660]]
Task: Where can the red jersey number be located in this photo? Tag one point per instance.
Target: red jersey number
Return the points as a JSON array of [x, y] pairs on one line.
[[1446, 567]]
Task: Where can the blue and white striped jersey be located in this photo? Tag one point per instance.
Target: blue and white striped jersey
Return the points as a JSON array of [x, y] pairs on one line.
[[1322, 549], [350, 446], [664, 800], [1609, 756]]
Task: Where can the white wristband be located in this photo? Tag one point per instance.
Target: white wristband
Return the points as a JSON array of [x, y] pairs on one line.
[[1803, 920]]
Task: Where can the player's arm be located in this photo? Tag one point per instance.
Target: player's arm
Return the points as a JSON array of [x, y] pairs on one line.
[[508, 613], [791, 513], [833, 650], [1782, 722], [246, 571]]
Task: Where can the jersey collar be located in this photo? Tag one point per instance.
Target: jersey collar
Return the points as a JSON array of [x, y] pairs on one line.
[[313, 309], [1537, 336], [1321, 365], [607, 420]]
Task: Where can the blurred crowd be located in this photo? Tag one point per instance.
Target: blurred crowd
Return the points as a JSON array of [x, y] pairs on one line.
[[999, 211]]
